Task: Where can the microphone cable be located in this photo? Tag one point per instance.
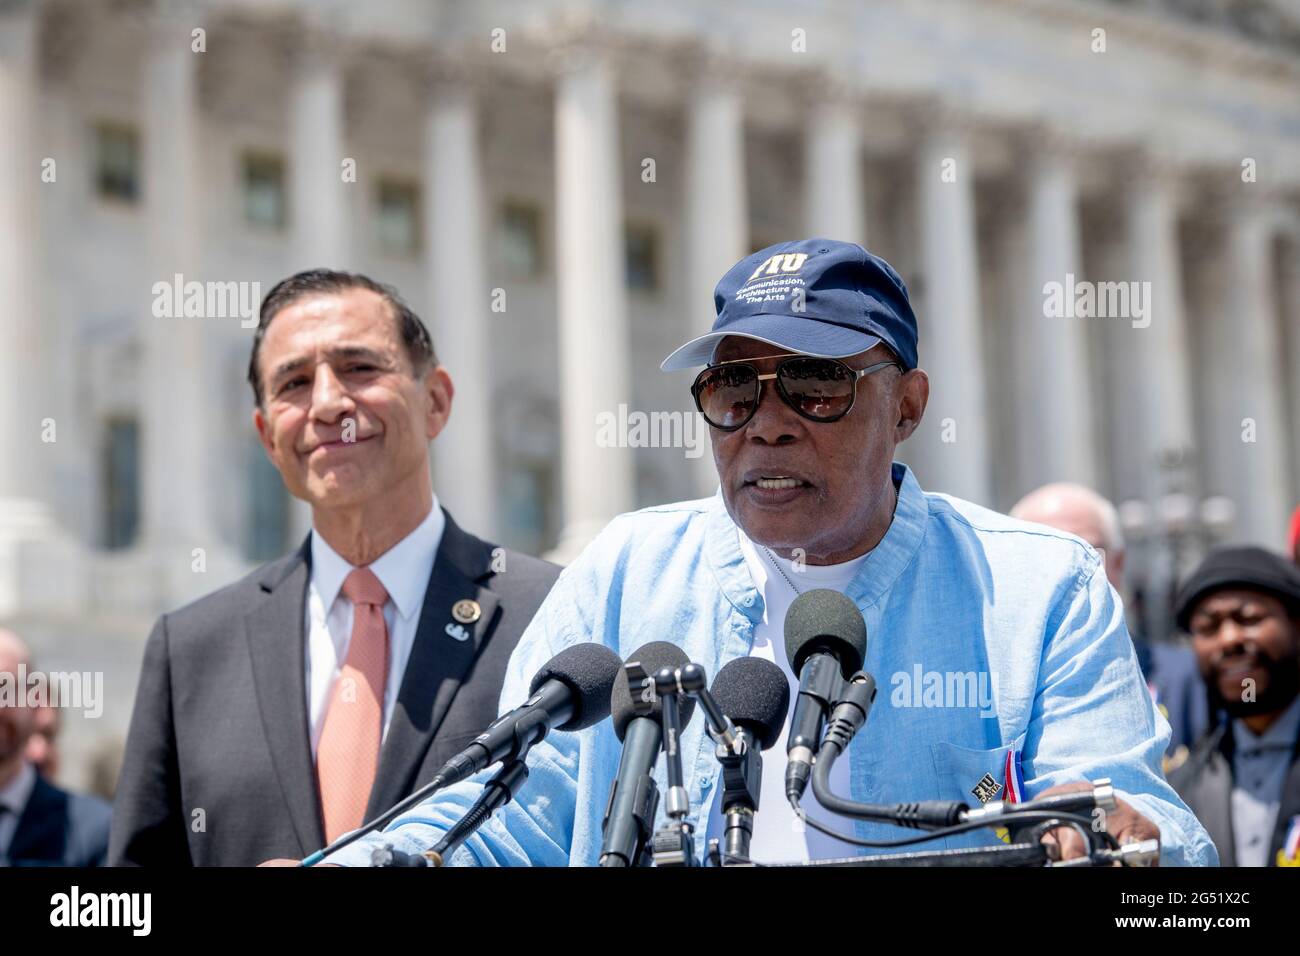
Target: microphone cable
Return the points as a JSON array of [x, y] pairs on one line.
[[928, 813]]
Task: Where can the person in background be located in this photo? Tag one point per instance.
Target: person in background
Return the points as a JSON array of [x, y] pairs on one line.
[[1168, 666], [43, 745], [1242, 779], [40, 825]]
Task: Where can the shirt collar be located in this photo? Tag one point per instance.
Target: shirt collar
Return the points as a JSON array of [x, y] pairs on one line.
[[403, 569], [19, 791], [1281, 734], [884, 563]]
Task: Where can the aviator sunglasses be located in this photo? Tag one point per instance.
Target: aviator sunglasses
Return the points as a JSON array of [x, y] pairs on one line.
[[820, 389]]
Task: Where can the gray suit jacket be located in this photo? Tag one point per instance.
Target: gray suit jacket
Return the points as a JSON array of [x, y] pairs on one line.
[[218, 767]]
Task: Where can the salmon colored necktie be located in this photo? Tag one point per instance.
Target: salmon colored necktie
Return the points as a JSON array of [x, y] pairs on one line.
[[347, 755]]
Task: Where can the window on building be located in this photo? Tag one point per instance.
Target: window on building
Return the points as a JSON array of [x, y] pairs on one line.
[[117, 162], [398, 221], [268, 508], [264, 199], [519, 237], [121, 476], [528, 518], [641, 252]]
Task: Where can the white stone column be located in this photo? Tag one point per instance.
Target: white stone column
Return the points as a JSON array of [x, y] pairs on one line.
[[1163, 417], [458, 303], [180, 537], [175, 490], [1119, 374], [20, 177], [951, 452], [1289, 285], [318, 195], [1261, 485], [1056, 437], [717, 214], [833, 203], [41, 567], [594, 375]]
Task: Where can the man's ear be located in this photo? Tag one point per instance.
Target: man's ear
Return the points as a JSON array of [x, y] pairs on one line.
[[913, 395], [263, 430], [438, 392]]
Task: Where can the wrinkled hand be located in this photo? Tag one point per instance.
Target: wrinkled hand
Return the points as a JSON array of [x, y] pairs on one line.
[[1124, 823]]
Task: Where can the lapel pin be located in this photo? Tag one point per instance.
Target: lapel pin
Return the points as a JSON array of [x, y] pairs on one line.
[[466, 611], [987, 788]]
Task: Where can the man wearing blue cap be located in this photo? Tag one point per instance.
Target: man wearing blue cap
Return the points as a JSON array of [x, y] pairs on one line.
[[1004, 666]]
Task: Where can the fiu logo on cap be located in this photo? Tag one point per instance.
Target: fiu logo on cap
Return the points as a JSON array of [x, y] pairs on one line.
[[782, 262]]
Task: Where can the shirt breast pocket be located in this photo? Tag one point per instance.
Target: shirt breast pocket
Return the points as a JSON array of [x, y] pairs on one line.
[[975, 777]]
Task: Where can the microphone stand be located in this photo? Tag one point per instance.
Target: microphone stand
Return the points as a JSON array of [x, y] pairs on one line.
[[742, 765], [454, 771], [644, 801], [674, 843], [496, 793], [742, 776]]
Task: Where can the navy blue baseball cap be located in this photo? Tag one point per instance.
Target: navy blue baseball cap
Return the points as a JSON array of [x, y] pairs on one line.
[[817, 297]]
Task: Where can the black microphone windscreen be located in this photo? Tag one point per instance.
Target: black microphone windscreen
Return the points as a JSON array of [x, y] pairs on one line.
[[823, 619], [755, 694], [652, 657], [590, 669]]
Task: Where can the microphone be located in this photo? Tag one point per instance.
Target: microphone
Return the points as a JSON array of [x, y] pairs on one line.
[[571, 692], [825, 640], [754, 694], [636, 709]]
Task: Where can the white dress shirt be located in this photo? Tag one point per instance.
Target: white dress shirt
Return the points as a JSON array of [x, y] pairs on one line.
[[779, 836], [404, 571], [13, 801]]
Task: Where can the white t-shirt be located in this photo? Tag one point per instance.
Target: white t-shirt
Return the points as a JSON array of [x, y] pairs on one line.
[[779, 835]]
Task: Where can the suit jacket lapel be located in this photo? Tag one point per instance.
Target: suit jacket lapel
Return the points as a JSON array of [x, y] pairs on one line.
[[276, 643], [438, 662]]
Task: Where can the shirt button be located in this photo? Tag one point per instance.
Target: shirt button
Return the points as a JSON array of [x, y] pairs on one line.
[[749, 600], [706, 783]]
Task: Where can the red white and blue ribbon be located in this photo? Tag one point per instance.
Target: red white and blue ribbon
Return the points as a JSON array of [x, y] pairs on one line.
[[1014, 778]]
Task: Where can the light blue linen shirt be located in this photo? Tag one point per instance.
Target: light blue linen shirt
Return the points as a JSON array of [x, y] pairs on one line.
[[955, 595]]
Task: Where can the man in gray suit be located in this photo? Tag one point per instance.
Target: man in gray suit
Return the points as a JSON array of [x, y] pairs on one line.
[[280, 712]]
